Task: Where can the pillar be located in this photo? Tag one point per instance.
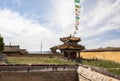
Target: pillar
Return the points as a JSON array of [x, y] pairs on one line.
[[78, 54], [68, 55]]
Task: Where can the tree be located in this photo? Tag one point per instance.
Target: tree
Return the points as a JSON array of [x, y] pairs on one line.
[[1, 44]]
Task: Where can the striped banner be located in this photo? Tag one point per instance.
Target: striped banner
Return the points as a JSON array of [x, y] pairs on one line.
[[77, 15]]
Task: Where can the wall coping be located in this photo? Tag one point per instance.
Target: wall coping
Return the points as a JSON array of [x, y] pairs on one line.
[[37, 67], [101, 71]]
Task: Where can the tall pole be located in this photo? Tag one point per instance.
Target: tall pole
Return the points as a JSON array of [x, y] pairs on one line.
[[41, 48]]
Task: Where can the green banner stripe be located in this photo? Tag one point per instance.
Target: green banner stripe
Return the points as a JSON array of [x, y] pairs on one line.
[[77, 1], [77, 18], [77, 6]]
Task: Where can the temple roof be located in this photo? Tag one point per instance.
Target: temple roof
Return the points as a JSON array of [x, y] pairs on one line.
[[11, 49], [70, 38], [69, 43], [73, 46]]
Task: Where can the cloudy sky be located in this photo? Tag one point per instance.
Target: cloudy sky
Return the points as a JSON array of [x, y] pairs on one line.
[[30, 22]]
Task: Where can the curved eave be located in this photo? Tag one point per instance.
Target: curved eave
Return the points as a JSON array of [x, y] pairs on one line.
[[71, 48], [73, 39]]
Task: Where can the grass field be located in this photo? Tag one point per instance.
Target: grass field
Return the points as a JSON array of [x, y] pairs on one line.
[[37, 60], [112, 56], [104, 64], [107, 65]]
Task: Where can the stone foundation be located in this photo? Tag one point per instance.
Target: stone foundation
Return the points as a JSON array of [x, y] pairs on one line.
[[46, 72], [25, 72], [39, 76]]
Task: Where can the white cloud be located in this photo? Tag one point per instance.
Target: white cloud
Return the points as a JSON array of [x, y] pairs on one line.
[[19, 30], [100, 18], [29, 33], [103, 17], [112, 43], [62, 16]]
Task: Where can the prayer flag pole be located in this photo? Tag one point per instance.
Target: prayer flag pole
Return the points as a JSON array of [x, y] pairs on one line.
[[77, 15]]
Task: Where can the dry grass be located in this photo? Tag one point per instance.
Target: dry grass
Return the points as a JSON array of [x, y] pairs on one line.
[[112, 56], [37, 60]]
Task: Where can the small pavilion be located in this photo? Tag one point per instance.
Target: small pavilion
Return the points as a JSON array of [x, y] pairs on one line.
[[70, 48]]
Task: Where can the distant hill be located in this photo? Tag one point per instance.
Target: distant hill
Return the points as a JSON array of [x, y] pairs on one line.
[[102, 49]]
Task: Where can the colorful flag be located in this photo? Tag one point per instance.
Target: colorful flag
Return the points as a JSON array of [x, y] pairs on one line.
[[77, 23], [77, 1], [77, 10], [76, 27], [77, 14], [77, 17], [75, 32], [77, 6]]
